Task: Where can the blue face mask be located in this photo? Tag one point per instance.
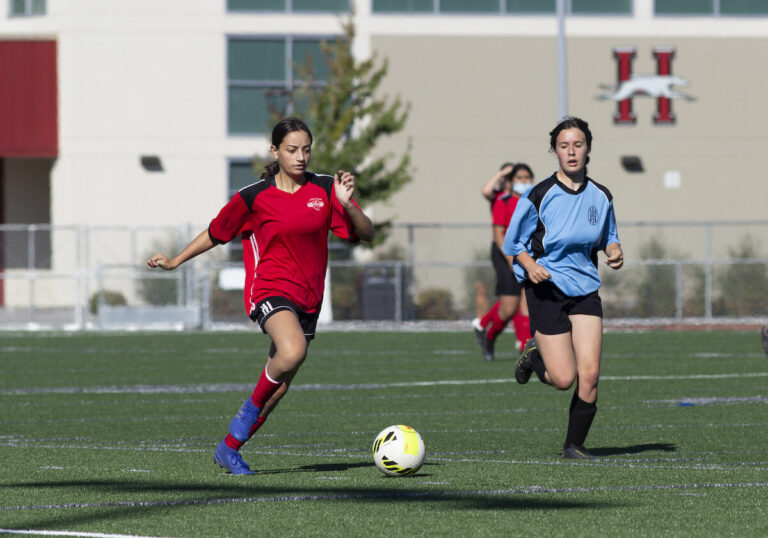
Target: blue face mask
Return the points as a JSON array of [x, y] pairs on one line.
[[521, 188]]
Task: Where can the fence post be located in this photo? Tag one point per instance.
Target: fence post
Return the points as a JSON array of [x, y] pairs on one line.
[[708, 273], [205, 303], [398, 292], [678, 290], [31, 268]]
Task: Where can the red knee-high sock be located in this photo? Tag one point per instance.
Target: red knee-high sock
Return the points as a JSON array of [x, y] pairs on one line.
[[264, 390], [234, 443], [488, 317], [522, 328], [497, 325]]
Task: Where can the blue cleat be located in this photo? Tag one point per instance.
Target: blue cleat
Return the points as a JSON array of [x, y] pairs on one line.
[[230, 459], [246, 417]]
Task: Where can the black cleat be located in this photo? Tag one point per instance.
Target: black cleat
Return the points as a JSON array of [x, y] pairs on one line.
[[573, 452], [765, 338], [487, 347], [523, 367]]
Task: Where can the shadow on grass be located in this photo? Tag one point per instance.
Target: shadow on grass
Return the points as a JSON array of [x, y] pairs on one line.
[[159, 498], [633, 449]]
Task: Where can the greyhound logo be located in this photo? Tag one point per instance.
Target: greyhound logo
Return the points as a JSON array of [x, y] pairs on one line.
[[659, 86], [650, 85]]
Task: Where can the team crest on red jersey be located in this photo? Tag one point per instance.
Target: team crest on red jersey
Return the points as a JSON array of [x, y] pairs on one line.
[[316, 203]]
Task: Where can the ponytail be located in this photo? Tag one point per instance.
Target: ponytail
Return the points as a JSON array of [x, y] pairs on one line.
[[270, 170]]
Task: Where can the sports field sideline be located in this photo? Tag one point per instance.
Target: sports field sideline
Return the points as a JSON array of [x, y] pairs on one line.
[[113, 434]]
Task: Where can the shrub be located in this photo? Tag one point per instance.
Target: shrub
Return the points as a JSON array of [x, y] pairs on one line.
[[435, 303], [108, 297]]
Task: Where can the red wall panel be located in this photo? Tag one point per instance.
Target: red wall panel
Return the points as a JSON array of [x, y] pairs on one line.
[[28, 99]]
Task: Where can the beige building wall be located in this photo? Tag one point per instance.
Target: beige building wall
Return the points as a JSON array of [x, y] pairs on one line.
[[479, 101]]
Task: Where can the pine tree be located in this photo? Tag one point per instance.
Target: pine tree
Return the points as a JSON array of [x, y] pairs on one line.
[[348, 117]]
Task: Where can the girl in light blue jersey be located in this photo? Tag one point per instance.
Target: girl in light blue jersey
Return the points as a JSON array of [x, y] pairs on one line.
[[554, 237]]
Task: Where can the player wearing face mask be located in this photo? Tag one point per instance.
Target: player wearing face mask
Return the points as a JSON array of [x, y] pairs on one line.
[[508, 289]]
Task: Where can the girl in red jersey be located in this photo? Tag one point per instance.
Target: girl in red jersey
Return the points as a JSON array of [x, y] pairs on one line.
[[489, 327], [283, 221]]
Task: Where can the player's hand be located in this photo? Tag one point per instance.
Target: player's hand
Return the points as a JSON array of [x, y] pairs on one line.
[[344, 185], [538, 274], [615, 256], [159, 260], [507, 170]]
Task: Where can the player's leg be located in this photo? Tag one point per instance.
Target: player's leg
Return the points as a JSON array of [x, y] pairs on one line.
[[550, 352], [288, 351], [508, 290], [521, 322], [587, 335]]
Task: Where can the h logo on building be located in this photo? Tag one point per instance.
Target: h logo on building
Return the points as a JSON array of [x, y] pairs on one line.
[[658, 86]]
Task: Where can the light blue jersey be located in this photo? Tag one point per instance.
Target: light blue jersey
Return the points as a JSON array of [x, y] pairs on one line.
[[563, 230]]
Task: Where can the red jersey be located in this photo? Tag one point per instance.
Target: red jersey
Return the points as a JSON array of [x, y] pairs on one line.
[[503, 208], [285, 238]]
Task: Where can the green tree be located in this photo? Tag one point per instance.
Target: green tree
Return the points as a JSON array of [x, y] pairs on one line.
[[348, 117], [743, 286]]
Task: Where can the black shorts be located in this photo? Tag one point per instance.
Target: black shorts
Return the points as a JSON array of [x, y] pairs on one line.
[[506, 283], [275, 303], [549, 308]]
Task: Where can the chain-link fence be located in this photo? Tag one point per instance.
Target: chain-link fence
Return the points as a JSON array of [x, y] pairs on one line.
[[95, 277]]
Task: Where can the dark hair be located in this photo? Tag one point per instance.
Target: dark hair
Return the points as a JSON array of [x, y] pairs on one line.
[[571, 122], [279, 132], [517, 168]]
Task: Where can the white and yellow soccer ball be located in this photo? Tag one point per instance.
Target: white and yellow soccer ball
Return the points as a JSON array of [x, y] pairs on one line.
[[398, 451]]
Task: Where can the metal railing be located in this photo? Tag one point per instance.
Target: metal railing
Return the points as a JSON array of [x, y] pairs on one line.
[[93, 277]]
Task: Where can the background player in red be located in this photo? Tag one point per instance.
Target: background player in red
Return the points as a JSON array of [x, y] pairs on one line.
[[283, 221], [520, 180]]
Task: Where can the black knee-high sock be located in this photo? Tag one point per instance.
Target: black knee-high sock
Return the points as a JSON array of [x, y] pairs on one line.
[[580, 419], [538, 365]]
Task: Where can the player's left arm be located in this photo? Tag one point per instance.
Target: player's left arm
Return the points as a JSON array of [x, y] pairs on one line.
[[344, 187], [611, 240], [615, 256]]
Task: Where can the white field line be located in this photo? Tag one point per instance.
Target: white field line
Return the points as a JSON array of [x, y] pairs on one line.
[[363, 454], [529, 490], [70, 533], [241, 387]]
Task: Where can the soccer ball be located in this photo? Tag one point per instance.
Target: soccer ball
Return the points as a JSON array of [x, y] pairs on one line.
[[398, 451]]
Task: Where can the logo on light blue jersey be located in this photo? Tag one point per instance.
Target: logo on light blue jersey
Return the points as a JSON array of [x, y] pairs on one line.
[[592, 215]]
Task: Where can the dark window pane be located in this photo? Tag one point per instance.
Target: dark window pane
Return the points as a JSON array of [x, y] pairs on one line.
[[403, 6], [252, 59], [241, 174], [469, 6], [249, 108], [256, 5], [744, 7], [308, 53], [531, 6], [17, 7], [601, 6], [38, 7], [684, 7], [321, 5]]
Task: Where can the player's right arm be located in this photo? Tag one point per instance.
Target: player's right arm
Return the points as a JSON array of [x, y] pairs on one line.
[[201, 243], [223, 228], [495, 183]]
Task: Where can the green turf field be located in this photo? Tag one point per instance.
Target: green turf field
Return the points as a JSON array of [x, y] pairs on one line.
[[114, 434]]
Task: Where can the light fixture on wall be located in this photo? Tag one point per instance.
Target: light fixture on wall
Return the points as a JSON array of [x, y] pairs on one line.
[[632, 164], [151, 163]]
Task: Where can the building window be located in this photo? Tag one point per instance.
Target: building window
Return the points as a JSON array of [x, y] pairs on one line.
[[262, 74], [510, 7], [26, 8], [711, 7], [290, 6], [601, 7]]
